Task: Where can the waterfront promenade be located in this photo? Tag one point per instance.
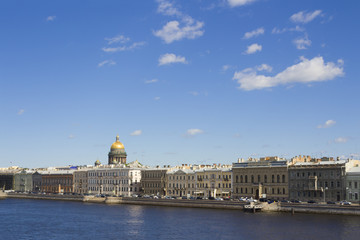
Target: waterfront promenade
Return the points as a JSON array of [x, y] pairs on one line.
[[212, 204]]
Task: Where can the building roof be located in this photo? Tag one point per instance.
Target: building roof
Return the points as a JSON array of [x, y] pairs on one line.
[[353, 171], [320, 163]]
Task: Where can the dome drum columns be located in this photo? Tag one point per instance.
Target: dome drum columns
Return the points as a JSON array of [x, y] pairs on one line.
[[117, 154]]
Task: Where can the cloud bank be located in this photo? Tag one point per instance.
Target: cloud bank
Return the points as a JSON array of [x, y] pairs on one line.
[[306, 71]]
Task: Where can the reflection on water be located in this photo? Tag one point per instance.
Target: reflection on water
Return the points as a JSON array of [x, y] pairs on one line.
[[42, 219]]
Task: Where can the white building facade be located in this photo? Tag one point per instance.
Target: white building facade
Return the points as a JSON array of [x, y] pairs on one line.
[[114, 181]]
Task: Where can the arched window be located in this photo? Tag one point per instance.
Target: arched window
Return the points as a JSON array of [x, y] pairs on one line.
[[252, 178], [241, 178], [265, 178], [283, 178], [278, 178], [258, 178], [237, 178], [272, 178], [245, 178]]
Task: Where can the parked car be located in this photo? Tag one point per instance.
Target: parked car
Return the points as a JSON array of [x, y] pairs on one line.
[[330, 202], [219, 199], [345, 203], [184, 197], [211, 198], [199, 198], [311, 201], [295, 201]]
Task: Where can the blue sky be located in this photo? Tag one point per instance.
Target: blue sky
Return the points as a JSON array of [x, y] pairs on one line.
[[180, 81]]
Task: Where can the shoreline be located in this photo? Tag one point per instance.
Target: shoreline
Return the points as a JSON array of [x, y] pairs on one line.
[[210, 204]]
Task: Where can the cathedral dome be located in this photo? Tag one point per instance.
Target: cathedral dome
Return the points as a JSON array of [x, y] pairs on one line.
[[117, 144]]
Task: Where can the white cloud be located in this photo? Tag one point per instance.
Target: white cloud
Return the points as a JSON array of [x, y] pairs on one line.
[[226, 67], [253, 48], [151, 81], [327, 124], [106, 62], [71, 136], [123, 48], [50, 18], [193, 132], [306, 71], [264, 67], [156, 98], [167, 8], [254, 33], [169, 58], [21, 112], [304, 17], [341, 140], [302, 43], [174, 30], [237, 3], [295, 29], [136, 133], [117, 39], [194, 93]]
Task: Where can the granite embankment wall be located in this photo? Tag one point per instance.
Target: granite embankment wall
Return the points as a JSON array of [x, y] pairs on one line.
[[235, 205]]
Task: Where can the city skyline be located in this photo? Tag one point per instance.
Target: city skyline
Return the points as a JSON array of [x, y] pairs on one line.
[[180, 82]]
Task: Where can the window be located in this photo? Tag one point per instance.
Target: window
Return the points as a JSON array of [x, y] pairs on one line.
[[265, 178], [278, 178], [355, 184], [258, 178], [241, 178], [252, 178], [246, 179], [272, 178], [283, 178], [237, 178], [349, 184]]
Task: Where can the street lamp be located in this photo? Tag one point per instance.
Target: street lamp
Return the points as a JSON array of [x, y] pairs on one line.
[[324, 190]]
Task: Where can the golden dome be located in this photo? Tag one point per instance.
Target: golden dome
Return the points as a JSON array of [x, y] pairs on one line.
[[117, 144]]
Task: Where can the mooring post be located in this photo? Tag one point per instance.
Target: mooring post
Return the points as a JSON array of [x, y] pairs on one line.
[[292, 211], [254, 209]]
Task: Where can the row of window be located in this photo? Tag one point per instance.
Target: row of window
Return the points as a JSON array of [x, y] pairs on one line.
[[266, 190], [64, 181], [209, 176], [111, 188], [200, 185], [110, 181], [351, 184], [319, 184], [103, 174], [302, 174], [244, 179], [152, 185]]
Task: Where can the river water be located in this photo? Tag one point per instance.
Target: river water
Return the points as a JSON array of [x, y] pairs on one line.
[[46, 219]]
